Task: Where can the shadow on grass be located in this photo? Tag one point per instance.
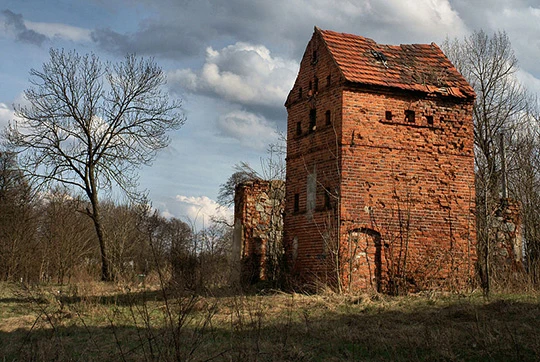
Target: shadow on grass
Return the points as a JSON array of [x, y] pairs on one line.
[[498, 331]]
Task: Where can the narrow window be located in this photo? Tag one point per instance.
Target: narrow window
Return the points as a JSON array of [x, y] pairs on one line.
[[300, 93], [316, 85], [327, 117], [314, 57], [441, 119], [327, 200], [310, 86], [298, 128], [409, 116], [388, 115], [296, 202], [328, 80], [312, 120], [429, 120]]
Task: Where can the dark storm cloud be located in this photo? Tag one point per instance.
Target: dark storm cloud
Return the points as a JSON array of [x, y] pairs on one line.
[[156, 39], [284, 26], [15, 23]]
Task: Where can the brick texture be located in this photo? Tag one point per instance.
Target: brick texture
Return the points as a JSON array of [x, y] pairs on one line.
[[385, 149], [258, 217]]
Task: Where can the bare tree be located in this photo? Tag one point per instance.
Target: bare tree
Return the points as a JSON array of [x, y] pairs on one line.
[[272, 168], [489, 64], [91, 125]]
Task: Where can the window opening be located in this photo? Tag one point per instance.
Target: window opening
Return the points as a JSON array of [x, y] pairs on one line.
[[327, 117], [316, 85], [314, 57], [328, 80], [298, 128], [409, 116], [296, 202], [327, 200], [312, 120], [300, 93], [388, 115], [429, 120]]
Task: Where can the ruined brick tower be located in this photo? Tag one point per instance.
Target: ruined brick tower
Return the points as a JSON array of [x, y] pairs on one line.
[[258, 230], [380, 170]]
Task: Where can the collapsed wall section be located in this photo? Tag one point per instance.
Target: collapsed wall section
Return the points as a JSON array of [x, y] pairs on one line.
[[257, 240]]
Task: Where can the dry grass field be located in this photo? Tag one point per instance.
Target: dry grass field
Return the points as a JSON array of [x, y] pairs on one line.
[[104, 322]]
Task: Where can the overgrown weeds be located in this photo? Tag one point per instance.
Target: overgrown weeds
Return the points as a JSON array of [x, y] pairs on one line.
[[106, 322]]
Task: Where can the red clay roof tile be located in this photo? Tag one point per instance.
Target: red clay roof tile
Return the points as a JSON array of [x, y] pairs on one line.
[[420, 67]]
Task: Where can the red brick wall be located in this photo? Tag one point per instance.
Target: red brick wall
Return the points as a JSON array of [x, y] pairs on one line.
[[313, 151], [401, 193], [411, 182]]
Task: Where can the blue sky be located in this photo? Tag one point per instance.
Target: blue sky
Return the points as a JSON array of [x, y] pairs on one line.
[[232, 63]]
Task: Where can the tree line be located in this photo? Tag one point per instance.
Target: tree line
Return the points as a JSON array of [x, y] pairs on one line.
[[47, 237]]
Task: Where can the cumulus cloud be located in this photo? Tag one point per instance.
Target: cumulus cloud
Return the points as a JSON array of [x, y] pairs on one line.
[[196, 210], [240, 73], [15, 25], [250, 129]]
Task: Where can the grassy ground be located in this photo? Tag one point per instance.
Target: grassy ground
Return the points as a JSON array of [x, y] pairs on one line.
[[98, 322]]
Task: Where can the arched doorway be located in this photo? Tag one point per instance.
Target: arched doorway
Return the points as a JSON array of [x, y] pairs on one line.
[[364, 259]]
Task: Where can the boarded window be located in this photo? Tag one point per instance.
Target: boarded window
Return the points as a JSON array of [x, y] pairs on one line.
[[311, 200]]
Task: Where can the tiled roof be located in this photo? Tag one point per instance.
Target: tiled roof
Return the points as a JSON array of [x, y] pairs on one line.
[[419, 67]]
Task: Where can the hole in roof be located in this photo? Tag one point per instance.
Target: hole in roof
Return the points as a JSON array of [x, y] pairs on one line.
[[378, 55]]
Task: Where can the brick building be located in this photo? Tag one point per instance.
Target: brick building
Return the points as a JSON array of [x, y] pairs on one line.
[[380, 169]]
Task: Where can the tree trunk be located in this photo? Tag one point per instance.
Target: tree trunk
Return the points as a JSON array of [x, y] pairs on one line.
[[106, 273]]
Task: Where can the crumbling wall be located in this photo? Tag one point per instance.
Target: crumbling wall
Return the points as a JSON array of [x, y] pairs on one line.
[[506, 240], [258, 215]]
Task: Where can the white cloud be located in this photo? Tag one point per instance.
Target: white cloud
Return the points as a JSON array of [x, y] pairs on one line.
[[197, 210], [6, 115], [250, 129], [62, 31], [529, 81], [241, 73]]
